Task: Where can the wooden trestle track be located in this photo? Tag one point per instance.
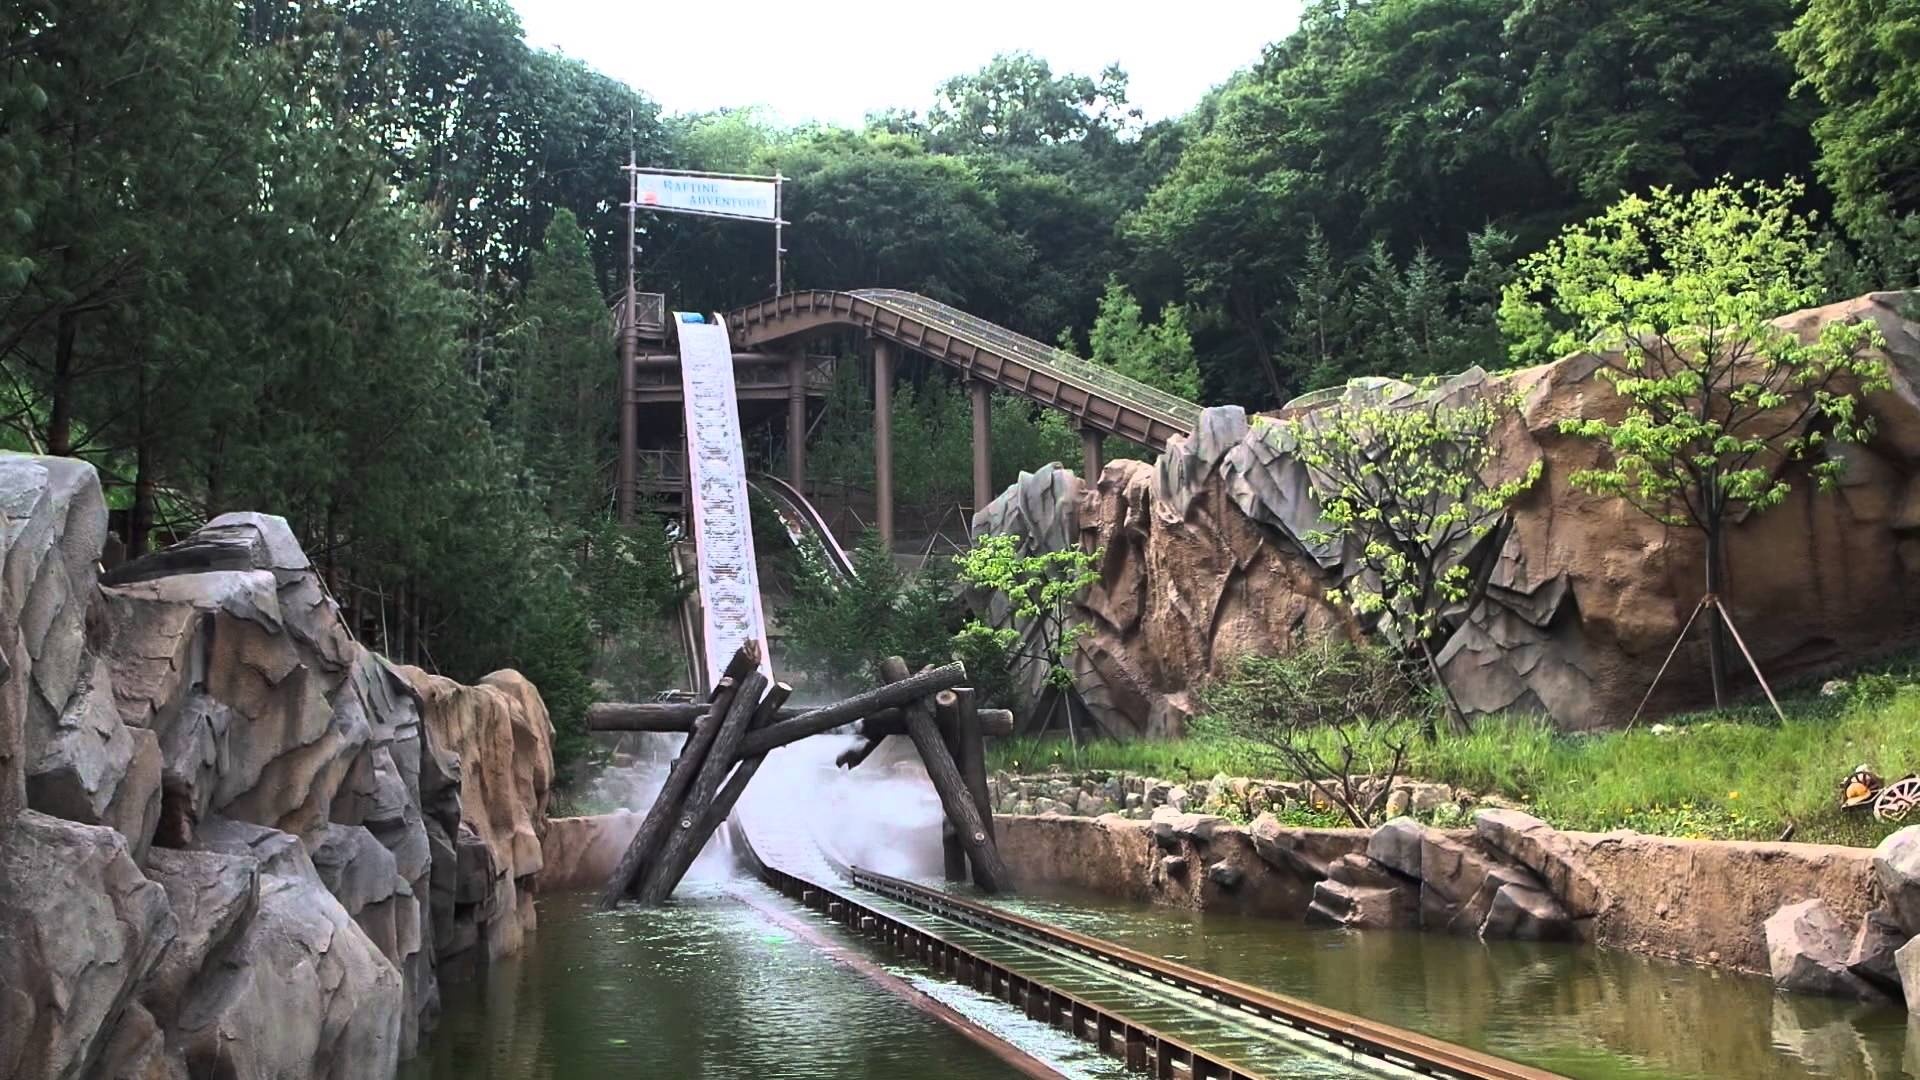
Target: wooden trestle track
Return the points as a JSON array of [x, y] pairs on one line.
[[1170, 1020]]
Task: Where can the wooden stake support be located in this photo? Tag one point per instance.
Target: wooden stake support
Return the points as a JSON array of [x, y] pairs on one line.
[[729, 737]]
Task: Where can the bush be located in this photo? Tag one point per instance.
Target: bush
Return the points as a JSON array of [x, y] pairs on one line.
[[1340, 716]]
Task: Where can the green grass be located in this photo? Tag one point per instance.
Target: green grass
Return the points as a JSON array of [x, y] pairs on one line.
[[1739, 774]]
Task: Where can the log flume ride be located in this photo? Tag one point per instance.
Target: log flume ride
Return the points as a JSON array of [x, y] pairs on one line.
[[1155, 1015]]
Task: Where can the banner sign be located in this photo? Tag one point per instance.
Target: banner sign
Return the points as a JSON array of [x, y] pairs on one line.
[[716, 196]]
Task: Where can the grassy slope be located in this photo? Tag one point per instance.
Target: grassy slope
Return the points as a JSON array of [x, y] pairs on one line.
[[1735, 775]]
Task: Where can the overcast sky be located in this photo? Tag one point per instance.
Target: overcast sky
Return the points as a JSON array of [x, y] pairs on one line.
[[837, 60]]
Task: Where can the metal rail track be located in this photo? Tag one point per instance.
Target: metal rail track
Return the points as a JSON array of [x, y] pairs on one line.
[[1165, 1018], [1098, 398]]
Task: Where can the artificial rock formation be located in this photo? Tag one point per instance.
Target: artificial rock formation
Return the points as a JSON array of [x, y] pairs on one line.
[[219, 813], [1208, 554]]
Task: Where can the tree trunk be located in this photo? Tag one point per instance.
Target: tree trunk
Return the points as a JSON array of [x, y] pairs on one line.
[[684, 837], [976, 836], [60, 408], [912, 689], [653, 828], [1717, 664], [140, 515]]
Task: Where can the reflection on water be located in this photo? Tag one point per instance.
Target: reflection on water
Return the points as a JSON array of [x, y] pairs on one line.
[[1577, 1010], [704, 987]]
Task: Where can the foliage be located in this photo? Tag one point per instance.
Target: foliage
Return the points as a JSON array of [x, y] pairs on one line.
[[1858, 58], [1339, 716], [1412, 484], [1675, 294], [1038, 591], [1736, 774], [843, 629], [1158, 354], [1413, 125]]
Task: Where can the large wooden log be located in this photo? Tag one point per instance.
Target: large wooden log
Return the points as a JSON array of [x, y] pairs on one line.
[[736, 785], [973, 752], [653, 827], [995, 722], [989, 871], [664, 871], [815, 721], [681, 715], [953, 857], [698, 819]]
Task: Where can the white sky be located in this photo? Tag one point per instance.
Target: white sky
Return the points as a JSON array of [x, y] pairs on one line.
[[837, 61]]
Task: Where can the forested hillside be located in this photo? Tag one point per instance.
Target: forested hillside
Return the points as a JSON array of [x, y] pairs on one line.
[[350, 260]]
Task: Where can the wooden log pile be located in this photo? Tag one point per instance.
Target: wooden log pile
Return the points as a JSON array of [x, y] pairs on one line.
[[745, 718]]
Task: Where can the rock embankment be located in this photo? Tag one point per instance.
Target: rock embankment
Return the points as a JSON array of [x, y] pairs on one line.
[[1095, 792], [233, 841], [1509, 875], [1216, 550]]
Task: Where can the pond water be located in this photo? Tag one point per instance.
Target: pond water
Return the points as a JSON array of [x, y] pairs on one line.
[[720, 984], [1577, 1010]]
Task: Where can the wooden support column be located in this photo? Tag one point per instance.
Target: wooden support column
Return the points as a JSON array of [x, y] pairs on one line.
[[989, 870], [729, 795], [1091, 456], [653, 828], [953, 857], [626, 474], [681, 844], [883, 357], [982, 443], [797, 420], [971, 734]]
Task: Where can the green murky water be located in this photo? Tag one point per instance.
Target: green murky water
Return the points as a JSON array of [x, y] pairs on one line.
[[713, 987], [1581, 1011], [708, 987]]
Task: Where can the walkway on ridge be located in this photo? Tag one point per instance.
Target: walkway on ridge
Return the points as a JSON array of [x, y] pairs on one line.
[[1098, 398]]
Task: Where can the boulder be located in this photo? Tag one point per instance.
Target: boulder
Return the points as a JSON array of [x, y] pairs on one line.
[[213, 897], [581, 852], [1363, 907], [1458, 883], [1872, 955], [1171, 826], [302, 993], [355, 867], [1807, 951], [1358, 869], [1896, 866], [1305, 852], [1397, 845], [92, 768], [1551, 856], [1226, 875], [1526, 912], [82, 928], [1906, 961]]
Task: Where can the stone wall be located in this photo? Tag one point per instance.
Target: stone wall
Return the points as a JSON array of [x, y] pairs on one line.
[[582, 852], [233, 842], [1701, 901], [1209, 553]]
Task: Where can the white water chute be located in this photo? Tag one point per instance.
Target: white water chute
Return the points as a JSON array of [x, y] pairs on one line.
[[717, 474]]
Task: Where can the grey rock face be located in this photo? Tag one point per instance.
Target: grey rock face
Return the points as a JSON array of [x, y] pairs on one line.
[[1540, 848], [1527, 913], [1896, 865], [1398, 845], [1807, 951], [82, 929], [1872, 954]]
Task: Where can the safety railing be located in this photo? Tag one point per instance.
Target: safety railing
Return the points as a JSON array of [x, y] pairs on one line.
[[1169, 409]]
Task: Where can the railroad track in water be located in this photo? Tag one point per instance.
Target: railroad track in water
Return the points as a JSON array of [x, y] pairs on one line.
[[1170, 1020]]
